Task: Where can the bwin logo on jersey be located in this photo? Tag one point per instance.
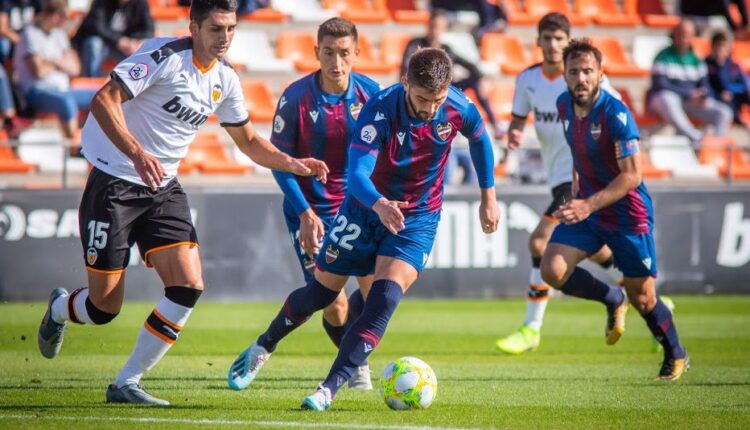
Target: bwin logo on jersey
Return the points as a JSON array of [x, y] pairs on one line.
[[184, 113], [545, 117]]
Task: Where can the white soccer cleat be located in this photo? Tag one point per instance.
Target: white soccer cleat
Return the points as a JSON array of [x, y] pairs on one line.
[[361, 378], [246, 366]]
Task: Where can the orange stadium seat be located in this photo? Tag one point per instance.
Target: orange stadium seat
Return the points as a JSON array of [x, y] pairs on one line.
[[702, 47], [538, 8], [10, 163], [208, 155], [643, 120], [720, 152], [651, 12], [741, 54], [299, 47], [406, 12], [501, 98], [606, 12], [393, 45], [616, 61], [369, 61], [265, 15], [167, 10], [258, 100], [648, 170], [360, 11], [469, 92], [517, 15], [505, 50], [88, 83]]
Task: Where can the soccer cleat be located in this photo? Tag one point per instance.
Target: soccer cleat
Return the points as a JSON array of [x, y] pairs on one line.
[[669, 303], [522, 340], [319, 401], [246, 366], [361, 378], [616, 322], [50, 335], [132, 393], [673, 368]]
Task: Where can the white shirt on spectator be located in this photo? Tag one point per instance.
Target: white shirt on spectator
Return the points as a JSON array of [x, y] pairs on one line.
[[52, 45]]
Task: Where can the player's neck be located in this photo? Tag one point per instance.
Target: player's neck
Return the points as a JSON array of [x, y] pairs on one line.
[[552, 70], [333, 87], [201, 56]]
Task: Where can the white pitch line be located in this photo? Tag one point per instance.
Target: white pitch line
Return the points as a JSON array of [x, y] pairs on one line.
[[229, 422]]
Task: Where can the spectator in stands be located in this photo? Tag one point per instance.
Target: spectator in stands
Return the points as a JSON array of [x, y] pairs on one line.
[[436, 26], [44, 64], [245, 7], [492, 14], [679, 87], [728, 81], [112, 29], [699, 11], [14, 16]]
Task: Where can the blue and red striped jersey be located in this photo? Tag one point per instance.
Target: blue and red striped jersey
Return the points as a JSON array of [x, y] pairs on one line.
[[311, 123], [411, 154], [597, 141]]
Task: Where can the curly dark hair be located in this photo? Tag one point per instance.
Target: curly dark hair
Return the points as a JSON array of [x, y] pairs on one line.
[[431, 69], [578, 47]]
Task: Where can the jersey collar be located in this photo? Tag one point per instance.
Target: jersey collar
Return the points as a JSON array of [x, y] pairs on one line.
[[350, 94]]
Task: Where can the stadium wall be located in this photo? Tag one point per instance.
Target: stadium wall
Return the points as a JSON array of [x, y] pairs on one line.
[[702, 240]]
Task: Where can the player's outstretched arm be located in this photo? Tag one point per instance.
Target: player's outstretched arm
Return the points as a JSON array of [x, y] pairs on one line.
[[629, 178], [515, 132], [483, 160], [264, 153], [107, 109]]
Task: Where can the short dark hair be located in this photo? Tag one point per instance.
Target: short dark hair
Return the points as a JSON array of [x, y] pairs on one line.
[[337, 27], [430, 68], [200, 9], [578, 47], [719, 37], [554, 21], [438, 13], [54, 7]]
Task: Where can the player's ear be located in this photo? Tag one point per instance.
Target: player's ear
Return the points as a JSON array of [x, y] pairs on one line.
[[316, 48], [193, 27], [405, 82]]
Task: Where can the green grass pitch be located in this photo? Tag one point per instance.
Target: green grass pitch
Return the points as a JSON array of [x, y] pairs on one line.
[[574, 381]]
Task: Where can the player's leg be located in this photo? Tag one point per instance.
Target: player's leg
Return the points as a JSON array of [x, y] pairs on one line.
[[569, 245], [637, 259], [527, 336], [104, 225], [361, 380]]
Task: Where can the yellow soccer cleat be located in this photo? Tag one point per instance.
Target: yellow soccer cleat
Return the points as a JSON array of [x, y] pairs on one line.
[[616, 322], [520, 341], [673, 368]]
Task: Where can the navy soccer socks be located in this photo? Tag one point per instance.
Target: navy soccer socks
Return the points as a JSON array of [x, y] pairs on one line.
[[365, 333], [660, 322], [298, 307], [336, 333], [584, 285]]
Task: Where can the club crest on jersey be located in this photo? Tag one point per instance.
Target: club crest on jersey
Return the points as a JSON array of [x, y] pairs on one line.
[[331, 254], [278, 124], [444, 130], [596, 131], [355, 109], [216, 93], [91, 256], [139, 71]]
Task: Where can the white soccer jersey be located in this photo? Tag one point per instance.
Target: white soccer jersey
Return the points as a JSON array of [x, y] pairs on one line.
[[171, 97], [535, 92]]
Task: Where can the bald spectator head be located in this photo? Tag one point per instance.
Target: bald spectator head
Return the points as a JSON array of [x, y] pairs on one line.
[[682, 36]]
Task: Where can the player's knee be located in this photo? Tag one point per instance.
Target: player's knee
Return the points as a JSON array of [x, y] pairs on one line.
[[337, 311], [553, 271], [537, 245], [97, 315], [642, 301]]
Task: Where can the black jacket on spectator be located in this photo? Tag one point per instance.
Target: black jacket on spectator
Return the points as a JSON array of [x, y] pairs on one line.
[[137, 14], [714, 8]]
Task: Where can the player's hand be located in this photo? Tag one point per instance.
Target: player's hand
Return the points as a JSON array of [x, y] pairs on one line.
[[489, 215], [573, 212], [389, 212], [310, 167], [311, 232], [149, 168], [514, 138]]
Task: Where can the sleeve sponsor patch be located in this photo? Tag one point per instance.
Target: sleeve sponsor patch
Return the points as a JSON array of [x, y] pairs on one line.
[[278, 124], [138, 71], [368, 133]]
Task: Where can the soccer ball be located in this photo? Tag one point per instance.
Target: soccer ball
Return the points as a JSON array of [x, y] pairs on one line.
[[408, 383]]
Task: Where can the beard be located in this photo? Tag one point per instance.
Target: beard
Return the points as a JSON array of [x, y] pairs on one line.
[[586, 101]]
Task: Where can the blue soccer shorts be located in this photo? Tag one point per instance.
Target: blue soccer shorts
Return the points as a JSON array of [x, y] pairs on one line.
[[306, 262], [635, 254], [357, 237]]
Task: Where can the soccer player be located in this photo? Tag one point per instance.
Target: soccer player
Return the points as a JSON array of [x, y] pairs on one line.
[[140, 126], [612, 207], [388, 220], [536, 90], [314, 118]]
